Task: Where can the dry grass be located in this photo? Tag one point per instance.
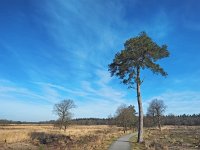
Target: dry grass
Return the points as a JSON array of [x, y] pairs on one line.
[[171, 138], [49, 137]]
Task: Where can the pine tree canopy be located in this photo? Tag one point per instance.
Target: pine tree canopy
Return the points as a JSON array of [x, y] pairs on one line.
[[140, 52]]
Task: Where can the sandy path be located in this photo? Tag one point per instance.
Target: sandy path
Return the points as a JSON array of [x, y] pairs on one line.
[[122, 143]]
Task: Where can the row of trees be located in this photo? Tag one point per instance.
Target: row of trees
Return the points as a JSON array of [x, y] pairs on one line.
[[189, 120], [171, 119], [178, 120], [125, 116]]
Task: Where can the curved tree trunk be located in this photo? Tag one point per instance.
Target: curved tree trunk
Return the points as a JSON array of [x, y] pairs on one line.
[[139, 99]]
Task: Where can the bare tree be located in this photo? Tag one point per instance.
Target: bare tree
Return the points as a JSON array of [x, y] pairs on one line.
[[125, 116], [156, 109], [62, 111]]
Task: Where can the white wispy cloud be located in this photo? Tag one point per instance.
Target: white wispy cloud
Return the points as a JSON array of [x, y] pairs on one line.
[[85, 30], [23, 103], [34, 94], [93, 99], [17, 110], [179, 102], [104, 77]]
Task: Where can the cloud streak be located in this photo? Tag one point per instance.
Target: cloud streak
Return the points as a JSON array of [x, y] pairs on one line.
[[95, 99]]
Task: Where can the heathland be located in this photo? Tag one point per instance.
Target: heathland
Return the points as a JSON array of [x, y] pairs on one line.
[[76, 137], [170, 138]]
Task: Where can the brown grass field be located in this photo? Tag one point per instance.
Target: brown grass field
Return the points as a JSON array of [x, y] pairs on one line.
[[47, 137], [171, 138]]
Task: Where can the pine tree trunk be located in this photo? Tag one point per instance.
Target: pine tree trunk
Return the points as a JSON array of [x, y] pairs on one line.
[[140, 127]]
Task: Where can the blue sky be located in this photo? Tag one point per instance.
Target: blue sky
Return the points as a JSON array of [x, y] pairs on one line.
[[55, 50]]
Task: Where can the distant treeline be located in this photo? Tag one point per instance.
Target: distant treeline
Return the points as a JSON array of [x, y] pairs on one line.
[[189, 120], [182, 120], [91, 121], [4, 121]]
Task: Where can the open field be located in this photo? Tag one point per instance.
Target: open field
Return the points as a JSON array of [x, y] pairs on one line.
[[171, 138], [48, 137]]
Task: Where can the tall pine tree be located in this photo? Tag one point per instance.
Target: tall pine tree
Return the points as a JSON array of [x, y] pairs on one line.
[[139, 53]]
